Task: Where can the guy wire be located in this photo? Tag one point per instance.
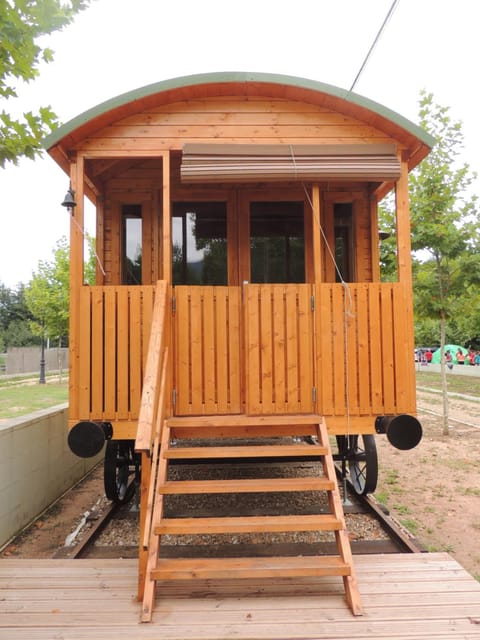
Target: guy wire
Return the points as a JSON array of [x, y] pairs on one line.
[[347, 303]]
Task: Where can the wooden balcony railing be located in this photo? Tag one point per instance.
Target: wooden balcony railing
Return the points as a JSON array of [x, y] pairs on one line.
[[364, 349], [237, 351], [107, 364]]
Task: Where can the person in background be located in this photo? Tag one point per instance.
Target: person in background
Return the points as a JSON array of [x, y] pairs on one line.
[[460, 357], [449, 359], [428, 356]]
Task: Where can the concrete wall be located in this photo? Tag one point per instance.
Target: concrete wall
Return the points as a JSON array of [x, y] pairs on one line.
[[458, 369], [36, 467], [27, 360]]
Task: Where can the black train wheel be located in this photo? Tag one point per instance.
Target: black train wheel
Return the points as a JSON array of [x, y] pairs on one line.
[[360, 451], [118, 466]]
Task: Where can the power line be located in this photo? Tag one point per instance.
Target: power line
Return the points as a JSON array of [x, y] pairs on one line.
[[364, 64]]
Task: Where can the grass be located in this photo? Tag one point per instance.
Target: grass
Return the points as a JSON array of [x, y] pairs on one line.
[[410, 524], [18, 400], [469, 385]]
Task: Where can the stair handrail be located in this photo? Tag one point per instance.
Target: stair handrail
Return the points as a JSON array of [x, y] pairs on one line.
[[154, 382]]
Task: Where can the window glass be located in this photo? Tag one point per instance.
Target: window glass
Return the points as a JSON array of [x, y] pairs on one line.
[[277, 246], [199, 237], [343, 224], [132, 244]]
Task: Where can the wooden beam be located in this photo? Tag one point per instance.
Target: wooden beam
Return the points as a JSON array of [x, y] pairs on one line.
[[167, 220], [374, 239], [76, 281], [403, 226], [318, 258]]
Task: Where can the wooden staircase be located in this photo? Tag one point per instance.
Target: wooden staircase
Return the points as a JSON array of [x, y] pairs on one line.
[[175, 448]]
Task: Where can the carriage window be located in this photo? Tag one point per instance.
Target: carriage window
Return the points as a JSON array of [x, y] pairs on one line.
[[277, 246], [199, 236], [343, 224], [132, 244]]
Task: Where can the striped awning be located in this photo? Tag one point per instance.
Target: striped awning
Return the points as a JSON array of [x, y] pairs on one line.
[[269, 163]]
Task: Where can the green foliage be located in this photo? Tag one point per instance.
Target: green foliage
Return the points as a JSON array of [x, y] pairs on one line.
[[14, 319], [90, 267], [444, 221], [444, 224], [22, 24], [47, 295], [388, 246], [444, 217]]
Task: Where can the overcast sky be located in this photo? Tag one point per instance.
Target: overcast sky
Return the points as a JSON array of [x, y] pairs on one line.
[[119, 45]]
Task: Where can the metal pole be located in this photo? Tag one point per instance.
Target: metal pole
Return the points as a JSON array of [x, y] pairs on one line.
[[42, 362]]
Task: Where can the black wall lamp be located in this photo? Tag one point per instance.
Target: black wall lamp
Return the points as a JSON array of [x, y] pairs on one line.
[[69, 200]]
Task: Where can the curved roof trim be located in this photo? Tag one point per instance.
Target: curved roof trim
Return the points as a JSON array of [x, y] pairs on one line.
[[234, 77]]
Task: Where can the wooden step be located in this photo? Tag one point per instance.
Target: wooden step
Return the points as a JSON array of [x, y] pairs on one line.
[[242, 420], [220, 568], [247, 451], [257, 485], [248, 524]]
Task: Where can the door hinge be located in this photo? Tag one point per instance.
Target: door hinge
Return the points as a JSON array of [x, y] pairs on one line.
[[174, 397], [314, 394], [174, 305], [312, 303]]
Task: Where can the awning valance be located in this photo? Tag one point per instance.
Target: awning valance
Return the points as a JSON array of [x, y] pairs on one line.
[[268, 163]]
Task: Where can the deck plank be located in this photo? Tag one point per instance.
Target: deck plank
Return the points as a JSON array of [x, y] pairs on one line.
[[405, 596]]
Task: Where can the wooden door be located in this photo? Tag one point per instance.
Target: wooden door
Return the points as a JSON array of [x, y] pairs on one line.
[[208, 371], [244, 350], [279, 356]]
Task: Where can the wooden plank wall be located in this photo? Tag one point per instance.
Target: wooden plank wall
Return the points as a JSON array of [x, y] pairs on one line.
[[113, 343], [363, 364], [356, 357], [230, 119], [207, 350], [352, 348], [279, 348]]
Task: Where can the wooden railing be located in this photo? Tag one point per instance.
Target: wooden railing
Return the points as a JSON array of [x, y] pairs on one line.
[[364, 347], [153, 411], [267, 349], [279, 353], [108, 361], [208, 346], [152, 405]]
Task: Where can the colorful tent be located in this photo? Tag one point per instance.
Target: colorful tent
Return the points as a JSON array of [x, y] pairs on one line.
[[453, 350]]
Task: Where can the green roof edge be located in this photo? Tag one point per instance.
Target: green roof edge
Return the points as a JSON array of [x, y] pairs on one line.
[[237, 76]]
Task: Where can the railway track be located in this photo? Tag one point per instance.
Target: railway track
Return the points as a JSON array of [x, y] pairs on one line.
[[372, 530]]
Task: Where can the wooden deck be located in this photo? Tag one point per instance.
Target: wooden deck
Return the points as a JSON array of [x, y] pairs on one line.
[[413, 596]]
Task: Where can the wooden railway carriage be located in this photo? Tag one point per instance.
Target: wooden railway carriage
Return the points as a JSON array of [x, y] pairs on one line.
[[238, 288]]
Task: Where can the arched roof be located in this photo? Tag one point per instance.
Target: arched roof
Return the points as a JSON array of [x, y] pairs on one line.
[[411, 136]]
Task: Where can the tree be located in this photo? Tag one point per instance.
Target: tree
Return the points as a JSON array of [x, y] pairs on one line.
[[22, 23], [445, 222], [14, 319], [48, 293]]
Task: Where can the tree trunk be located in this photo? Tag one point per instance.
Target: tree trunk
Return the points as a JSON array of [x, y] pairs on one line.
[[443, 373]]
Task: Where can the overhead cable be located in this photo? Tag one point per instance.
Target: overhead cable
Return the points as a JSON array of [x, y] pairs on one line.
[[364, 64]]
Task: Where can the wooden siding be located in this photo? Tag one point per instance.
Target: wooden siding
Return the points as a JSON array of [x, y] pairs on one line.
[[364, 359], [264, 350], [279, 348], [207, 350], [113, 339], [236, 119], [263, 354]]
